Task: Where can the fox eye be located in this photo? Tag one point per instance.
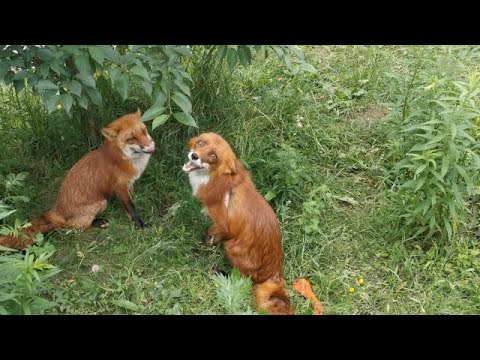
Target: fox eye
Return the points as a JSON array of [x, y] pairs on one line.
[[131, 141], [200, 143], [213, 156]]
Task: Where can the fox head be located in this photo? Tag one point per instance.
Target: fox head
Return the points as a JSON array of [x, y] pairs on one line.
[[129, 135], [210, 151]]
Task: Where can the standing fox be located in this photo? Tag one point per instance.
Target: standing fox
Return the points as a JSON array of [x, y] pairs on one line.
[[242, 218], [110, 170]]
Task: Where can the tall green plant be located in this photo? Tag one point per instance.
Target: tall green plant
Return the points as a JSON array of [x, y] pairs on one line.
[[22, 276], [441, 161]]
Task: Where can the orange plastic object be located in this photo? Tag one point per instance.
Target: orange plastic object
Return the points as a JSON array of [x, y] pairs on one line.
[[304, 288]]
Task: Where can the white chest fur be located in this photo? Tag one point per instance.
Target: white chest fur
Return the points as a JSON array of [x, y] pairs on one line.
[[140, 162], [197, 178]]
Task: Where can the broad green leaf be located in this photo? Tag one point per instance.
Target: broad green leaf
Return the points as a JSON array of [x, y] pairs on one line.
[[419, 147], [409, 184], [183, 102], [44, 54], [43, 70], [185, 119], [436, 175], [165, 84], [51, 103], [86, 79], [187, 76], [46, 85], [72, 49], [114, 73], [433, 222], [140, 71], [4, 214], [159, 120], [244, 55], [82, 63], [66, 101], [437, 139], [307, 67], [448, 226], [135, 48], [183, 87], [421, 168], [420, 183], [94, 95], [346, 199], [270, 195], [97, 53], [83, 101], [445, 165], [221, 52], [25, 199], [152, 113], [123, 83], [160, 99], [59, 67], [21, 75], [278, 50], [183, 50], [19, 85], [463, 173], [288, 61], [147, 86], [75, 87], [126, 304], [298, 53], [463, 135], [231, 58]]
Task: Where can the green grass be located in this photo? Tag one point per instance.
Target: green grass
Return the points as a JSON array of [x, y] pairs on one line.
[[326, 179]]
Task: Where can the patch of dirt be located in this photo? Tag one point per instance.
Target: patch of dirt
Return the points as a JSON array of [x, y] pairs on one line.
[[318, 53], [370, 114]]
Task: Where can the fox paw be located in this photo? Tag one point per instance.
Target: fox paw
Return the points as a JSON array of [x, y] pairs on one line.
[[100, 223], [143, 225], [209, 240], [216, 270]]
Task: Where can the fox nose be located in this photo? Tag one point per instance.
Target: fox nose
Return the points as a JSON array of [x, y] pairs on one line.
[[194, 156]]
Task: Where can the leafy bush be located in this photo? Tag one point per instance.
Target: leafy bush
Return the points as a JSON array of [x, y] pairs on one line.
[[440, 165], [75, 78], [22, 276]]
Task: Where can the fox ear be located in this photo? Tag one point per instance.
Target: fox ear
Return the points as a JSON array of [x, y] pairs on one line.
[[228, 167], [108, 132], [138, 113]]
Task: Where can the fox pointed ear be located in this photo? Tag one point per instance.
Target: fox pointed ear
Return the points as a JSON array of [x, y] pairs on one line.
[[108, 132], [138, 113], [228, 167]]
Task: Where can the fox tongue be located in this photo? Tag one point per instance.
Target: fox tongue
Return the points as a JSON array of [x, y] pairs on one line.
[[189, 166]]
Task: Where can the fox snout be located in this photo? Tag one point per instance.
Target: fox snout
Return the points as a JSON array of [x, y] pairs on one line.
[[149, 148]]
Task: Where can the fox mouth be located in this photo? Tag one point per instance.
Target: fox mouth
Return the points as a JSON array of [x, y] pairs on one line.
[[190, 166], [149, 149]]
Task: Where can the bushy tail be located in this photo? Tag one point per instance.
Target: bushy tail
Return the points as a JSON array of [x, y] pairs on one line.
[[271, 296], [43, 224]]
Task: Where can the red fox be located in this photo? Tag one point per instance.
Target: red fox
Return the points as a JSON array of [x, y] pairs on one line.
[[241, 217], [110, 170]]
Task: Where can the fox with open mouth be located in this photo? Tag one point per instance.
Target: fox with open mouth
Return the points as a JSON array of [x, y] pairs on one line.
[[241, 217]]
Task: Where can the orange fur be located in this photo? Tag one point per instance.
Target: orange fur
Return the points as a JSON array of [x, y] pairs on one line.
[[243, 219], [109, 170]]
